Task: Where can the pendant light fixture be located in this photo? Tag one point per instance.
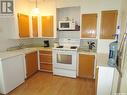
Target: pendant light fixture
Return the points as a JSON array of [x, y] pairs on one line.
[[35, 11]]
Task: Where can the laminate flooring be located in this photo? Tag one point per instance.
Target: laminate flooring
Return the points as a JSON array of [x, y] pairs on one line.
[[46, 84]]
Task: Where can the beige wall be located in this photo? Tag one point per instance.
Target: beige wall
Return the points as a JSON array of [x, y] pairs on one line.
[[46, 7], [5, 32]]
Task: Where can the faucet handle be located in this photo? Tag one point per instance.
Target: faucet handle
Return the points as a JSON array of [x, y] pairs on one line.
[[21, 45]]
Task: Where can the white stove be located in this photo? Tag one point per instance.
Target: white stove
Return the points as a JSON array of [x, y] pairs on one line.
[[65, 58]]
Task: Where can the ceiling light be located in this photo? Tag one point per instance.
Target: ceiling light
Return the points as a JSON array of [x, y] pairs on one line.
[[35, 11]]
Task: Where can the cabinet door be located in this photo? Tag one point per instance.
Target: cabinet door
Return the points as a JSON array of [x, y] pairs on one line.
[[89, 25], [35, 26], [23, 25], [108, 24], [31, 63], [86, 65], [46, 61], [47, 26]]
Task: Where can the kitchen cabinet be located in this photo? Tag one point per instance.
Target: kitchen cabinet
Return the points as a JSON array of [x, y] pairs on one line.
[[27, 26], [45, 60], [86, 66], [23, 25], [108, 24], [35, 26], [12, 72], [47, 26], [89, 26], [31, 63]]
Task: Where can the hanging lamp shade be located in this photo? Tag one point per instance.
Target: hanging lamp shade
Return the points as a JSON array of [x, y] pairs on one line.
[[35, 10]]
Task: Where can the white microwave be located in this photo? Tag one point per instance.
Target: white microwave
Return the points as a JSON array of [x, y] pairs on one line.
[[66, 25]]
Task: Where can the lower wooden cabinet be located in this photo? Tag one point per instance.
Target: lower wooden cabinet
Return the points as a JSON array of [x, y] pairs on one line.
[[31, 63], [86, 66], [45, 60]]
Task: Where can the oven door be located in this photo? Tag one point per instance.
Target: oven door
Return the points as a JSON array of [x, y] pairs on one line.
[[64, 59]]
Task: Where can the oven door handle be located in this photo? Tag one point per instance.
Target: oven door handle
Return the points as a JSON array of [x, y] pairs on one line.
[[62, 53]]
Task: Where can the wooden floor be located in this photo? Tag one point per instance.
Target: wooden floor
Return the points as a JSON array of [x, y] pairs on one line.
[[47, 84]]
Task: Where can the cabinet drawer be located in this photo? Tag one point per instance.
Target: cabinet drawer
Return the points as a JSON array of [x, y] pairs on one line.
[[46, 58], [46, 67], [45, 52]]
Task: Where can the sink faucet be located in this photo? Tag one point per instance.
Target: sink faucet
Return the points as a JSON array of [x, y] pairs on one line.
[[91, 44], [21, 45]]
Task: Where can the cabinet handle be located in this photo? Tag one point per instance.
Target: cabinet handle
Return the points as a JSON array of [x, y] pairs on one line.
[[46, 54]]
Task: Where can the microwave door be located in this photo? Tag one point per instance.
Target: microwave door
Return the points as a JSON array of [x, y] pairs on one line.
[[64, 26]]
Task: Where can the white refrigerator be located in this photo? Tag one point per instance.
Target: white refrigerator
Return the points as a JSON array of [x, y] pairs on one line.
[[119, 86]]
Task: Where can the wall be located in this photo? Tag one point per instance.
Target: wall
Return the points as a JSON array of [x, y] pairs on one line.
[[4, 35], [71, 12], [67, 3], [46, 7], [5, 31], [40, 41]]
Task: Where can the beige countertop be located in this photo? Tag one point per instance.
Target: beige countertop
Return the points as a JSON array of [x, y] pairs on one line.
[[101, 59], [44, 48], [86, 52], [7, 54], [33, 49]]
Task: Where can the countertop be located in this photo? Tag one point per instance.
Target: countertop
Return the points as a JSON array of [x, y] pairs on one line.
[[86, 52], [7, 54], [101, 59]]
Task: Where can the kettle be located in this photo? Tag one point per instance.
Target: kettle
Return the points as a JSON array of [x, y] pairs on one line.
[[46, 43]]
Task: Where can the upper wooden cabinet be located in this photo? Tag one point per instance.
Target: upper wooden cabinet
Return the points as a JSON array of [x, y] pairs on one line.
[[86, 66], [35, 26], [47, 26], [23, 25], [27, 26], [108, 24], [89, 26]]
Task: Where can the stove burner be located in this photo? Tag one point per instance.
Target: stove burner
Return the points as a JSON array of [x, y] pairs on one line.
[[59, 47], [73, 47]]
